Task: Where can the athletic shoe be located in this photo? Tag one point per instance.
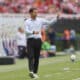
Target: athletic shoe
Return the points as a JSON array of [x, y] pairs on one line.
[[35, 76], [31, 74]]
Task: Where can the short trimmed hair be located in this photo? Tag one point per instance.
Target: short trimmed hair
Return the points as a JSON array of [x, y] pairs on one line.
[[32, 9]]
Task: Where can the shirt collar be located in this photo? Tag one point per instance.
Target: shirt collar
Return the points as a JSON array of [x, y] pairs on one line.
[[33, 19]]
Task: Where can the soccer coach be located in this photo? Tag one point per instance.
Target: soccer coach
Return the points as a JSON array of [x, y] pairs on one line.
[[33, 27]]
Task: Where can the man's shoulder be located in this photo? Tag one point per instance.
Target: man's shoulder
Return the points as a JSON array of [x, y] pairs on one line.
[[27, 20], [40, 18]]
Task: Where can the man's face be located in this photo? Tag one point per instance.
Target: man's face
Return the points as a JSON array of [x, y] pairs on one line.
[[34, 13], [21, 30]]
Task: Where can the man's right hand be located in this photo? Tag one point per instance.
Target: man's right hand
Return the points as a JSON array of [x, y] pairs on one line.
[[35, 32]]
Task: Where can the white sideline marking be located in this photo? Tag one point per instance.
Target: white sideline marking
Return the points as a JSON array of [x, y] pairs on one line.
[[21, 67], [50, 75], [42, 64], [77, 79], [66, 69], [47, 75], [14, 69], [58, 73]]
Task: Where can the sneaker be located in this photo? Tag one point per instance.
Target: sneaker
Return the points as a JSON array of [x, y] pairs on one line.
[[31, 75], [35, 76]]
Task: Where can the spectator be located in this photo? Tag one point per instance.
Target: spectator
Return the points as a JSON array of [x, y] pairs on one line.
[[52, 51], [71, 49], [21, 42], [51, 35], [45, 48], [72, 37], [43, 33], [66, 39]]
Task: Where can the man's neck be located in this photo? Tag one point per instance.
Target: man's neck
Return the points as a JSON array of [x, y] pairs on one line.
[[33, 18]]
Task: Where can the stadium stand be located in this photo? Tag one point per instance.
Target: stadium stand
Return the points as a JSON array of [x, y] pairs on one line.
[[44, 6]]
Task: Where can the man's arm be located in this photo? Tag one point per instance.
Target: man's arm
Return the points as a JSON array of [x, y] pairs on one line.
[[45, 21], [28, 28]]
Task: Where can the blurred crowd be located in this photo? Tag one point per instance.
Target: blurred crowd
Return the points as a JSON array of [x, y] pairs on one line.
[[44, 6], [16, 46]]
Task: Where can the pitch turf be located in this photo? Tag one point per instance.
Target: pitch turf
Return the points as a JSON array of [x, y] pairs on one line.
[[55, 68]]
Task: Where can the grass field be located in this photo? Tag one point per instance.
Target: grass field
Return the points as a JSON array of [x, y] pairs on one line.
[[55, 68]]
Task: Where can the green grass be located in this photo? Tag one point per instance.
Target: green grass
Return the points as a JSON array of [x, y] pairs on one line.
[[56, 68]]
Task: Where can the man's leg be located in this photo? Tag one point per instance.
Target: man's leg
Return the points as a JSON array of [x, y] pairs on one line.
[[20, 51], [23, 55], [30, 52], [37, 49]]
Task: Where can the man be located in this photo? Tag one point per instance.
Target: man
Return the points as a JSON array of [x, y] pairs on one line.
[[33, 27], [52, 35], [66, 39], [21, 43], [72, 37]]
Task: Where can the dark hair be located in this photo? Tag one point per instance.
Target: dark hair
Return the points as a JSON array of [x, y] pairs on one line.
[[32, 9], [19, 28]]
